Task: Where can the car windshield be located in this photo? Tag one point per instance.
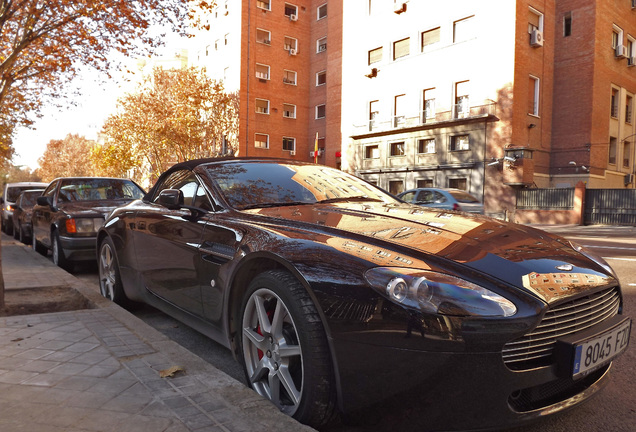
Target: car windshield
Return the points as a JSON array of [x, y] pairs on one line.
[[98, 189], [29, 198], [463, 197], [14, 192], [257, 184]]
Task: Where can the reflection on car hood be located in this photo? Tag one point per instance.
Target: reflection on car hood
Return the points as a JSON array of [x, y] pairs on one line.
[[518, 255], [90, 208]]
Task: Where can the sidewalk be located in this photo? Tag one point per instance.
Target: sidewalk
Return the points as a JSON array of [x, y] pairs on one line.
[[98, 369]]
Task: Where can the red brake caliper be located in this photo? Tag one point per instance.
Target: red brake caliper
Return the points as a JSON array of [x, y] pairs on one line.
[[270, 314]]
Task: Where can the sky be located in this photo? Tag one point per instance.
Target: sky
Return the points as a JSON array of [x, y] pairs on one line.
[[98, 100]]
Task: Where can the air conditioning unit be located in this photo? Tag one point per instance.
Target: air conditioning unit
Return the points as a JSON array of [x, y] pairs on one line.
[[633, 4], [293, 17], [398, 8], [292, 153], [536, 38], [292, 51], [629, 179], [631, 61], [621, 51]]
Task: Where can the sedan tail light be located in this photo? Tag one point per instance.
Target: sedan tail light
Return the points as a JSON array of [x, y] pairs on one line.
[[457, 207]]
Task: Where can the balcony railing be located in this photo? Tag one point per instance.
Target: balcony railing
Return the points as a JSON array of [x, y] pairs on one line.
[[457, 112]]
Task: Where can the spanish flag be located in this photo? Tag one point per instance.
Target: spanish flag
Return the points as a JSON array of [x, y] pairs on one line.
[[316, 149]]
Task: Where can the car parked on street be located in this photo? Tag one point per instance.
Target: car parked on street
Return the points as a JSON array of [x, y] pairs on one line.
[[11, 193], [447, 199], [71, 210], [22, 214], [335, 295]]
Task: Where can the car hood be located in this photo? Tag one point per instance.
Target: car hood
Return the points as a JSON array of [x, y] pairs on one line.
[[535, 261], [90, 208]]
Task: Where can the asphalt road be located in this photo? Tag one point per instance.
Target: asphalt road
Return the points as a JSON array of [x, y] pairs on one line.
[[613, 410]]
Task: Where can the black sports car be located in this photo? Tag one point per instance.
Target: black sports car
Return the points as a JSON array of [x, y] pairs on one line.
[[335, 295]]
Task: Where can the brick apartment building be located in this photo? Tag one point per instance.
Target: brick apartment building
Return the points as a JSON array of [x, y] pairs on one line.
[[483, 96]]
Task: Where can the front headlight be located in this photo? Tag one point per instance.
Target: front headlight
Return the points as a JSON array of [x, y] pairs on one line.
[[83, 225], [437, 293]]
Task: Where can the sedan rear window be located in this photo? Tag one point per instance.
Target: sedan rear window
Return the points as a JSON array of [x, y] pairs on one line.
[[463, 197]]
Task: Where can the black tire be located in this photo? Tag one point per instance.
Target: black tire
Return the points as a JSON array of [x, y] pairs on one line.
[[59, 259], [110, 285], [16, 232], [38, 247], [298, 379]]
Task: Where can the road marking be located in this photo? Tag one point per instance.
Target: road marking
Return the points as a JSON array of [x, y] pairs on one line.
[[610, 247]]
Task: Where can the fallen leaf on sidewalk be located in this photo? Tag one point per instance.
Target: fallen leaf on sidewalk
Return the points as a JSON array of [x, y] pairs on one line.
[[17, 340], [168, 373]]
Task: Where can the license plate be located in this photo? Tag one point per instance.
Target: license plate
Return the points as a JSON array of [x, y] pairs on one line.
[[595, 352]]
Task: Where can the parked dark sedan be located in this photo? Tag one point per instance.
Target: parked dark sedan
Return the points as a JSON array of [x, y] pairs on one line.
[[67, 216], [335, 295], [22, 214]]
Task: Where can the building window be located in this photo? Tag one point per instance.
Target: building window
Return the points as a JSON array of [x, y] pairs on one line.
[[291, 44], [289, 144], [263, 36], [263, 4], [430, 37], [626, 153], [463, 29], [375, 55], [321, 45], [614, 102], [290, 10], [261, 140], [535, 20], [460, 143], [289, 77], [399, 109], [567, 24], [374, 111], [321, 111], [397, 149], [631, 51], [262, 71], [629, 103], [617, 37], [396, 187], [372, 152], [424, 183], [321, 12], [462, 99], [289, 110], [533, 95], [262, 106], [458, 183], [428, 97], [426, 146], [321, 78], [612, 151], [401, 48]]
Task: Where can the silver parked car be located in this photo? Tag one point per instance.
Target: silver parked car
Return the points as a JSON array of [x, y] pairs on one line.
[[448, 199]]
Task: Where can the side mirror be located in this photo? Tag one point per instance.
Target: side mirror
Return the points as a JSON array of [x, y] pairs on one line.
[[45, 201], [170, 198]]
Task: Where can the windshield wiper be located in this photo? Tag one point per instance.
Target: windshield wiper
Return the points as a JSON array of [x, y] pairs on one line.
[[351, 198], [275, 204]]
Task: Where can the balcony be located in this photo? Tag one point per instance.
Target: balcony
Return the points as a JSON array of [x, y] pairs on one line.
[[457, 113]]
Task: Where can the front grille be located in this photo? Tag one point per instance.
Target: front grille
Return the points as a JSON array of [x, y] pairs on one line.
[[535, 348]]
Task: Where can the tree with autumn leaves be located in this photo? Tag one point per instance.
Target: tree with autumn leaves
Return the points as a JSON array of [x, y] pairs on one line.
[[173, 116], [44, 43]]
